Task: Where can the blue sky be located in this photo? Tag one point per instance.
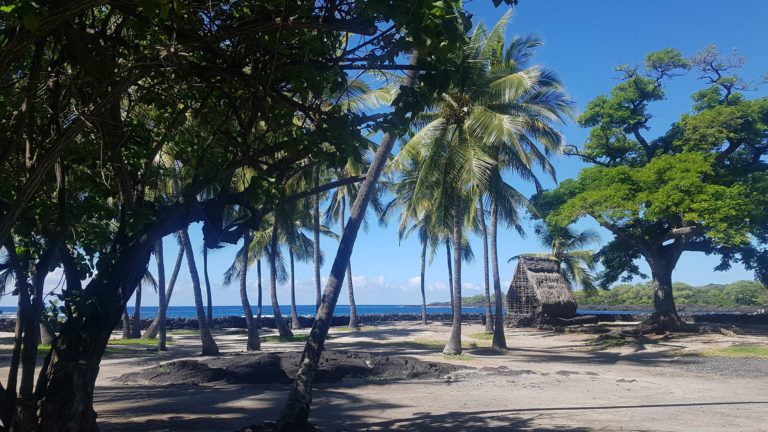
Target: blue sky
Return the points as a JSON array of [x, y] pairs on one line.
[[584, 41]]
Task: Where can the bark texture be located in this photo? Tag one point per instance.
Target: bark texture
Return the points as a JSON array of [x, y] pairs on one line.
[[499, 340], [453, 347], [295, 414], [486, 278], [160, 258], [423, 271], [254, 343], [209, 347]]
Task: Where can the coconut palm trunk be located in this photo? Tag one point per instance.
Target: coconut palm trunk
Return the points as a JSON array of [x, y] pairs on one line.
[[159, 257], [162, 309], [448, 248], [209, 345], [486, 278], [126, 324], [253, 344], [350, 289], [296, 411], [209, 302], [282, 327], [136, 321], [423, 271], [259, 294], [453, 347], [499, 340], [295, 323], [316, 237]]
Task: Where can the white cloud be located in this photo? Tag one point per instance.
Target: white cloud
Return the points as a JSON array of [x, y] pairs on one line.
[[415, 281]]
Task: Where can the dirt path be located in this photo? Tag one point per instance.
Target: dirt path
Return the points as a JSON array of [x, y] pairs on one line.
[[547, 381]]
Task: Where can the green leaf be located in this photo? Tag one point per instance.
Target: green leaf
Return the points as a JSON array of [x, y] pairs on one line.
[[31, 22]]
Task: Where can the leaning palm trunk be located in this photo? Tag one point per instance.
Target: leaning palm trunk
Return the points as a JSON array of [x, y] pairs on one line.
[[316, 237], [296, 411], [253, 344], [453, 347], [208, 297], [159, 257], [136, 321], [282, 327], [488, 314], [350, 289], [295, 323], [162, 309], [423, 268], [499, 340], [209, 345]]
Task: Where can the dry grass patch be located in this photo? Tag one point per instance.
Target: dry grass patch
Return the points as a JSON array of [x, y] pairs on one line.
[[481, 336], [147, 342]]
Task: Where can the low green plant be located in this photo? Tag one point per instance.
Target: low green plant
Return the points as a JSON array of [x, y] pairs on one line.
[[754, 351]]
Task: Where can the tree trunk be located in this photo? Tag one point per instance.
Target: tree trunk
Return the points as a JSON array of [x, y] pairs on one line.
[[282, 327], [423, 271], [209, 301], [159, 257], [295, 414], [453, 347], [258, 301], [254, 343], [295, 323], [448, 247], [136, 322], [65, 393], [350, 289], [26, 404], [126, 324], [499, 340], [316, 237], [486, 278], [162, 309], [209, 347], [664, 317]]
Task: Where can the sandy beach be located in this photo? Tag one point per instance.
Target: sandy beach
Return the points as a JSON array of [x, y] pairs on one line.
[[546, 381]]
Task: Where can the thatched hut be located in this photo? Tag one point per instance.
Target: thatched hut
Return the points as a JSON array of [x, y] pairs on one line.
[[539, 290]]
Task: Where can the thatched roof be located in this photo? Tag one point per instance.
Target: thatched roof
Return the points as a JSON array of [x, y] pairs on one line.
[[546, 282]]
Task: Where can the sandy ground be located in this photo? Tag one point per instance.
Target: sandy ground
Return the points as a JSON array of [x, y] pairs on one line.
[[547, 381]]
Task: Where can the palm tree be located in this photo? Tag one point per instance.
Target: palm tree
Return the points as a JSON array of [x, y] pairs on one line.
[[209, 346], [274, 256], [159, 323], [567, 246], [534, 106]]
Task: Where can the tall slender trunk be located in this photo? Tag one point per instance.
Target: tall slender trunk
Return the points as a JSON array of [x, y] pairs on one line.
[[295, 323], [26, 406], [296, 411], [453, 347], [209, 345], [350, 289], [316, 237], [448, 248], [258, 301], [209, 300], [126, 324], [159, 257], [254, 343], [162, 309], [22, 311], [282, 327], [136, 322], [423, 271], [486, 278], [499, 340]]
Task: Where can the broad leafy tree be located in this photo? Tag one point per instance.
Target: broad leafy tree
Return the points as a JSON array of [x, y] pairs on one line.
[[698, 186]]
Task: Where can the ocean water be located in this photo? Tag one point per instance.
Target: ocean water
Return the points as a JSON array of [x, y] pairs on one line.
[[309, 310]]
